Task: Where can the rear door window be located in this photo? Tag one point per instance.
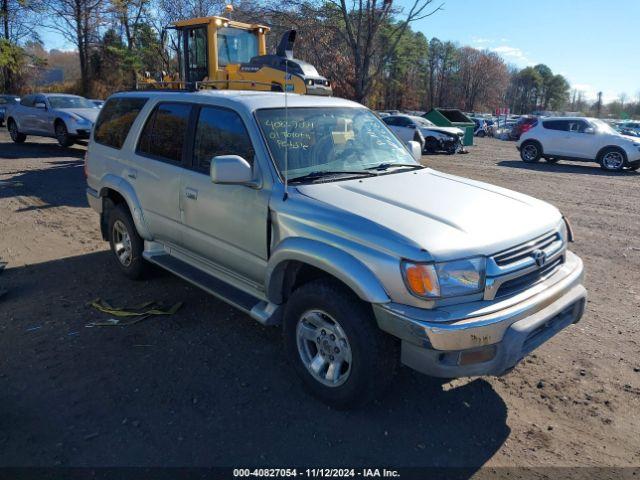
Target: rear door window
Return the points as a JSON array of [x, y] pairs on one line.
[[220, 131], [115, 120], [163, 136], [561, 125]]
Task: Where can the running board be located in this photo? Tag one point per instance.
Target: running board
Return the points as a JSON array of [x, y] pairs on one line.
[[264, 312]]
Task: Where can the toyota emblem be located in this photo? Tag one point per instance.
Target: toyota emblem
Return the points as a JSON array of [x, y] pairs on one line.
[[540, 257]]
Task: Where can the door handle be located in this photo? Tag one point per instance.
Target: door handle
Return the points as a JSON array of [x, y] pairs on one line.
[[191, 194]]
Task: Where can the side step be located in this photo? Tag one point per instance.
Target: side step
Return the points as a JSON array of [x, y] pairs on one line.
[[260, 310]]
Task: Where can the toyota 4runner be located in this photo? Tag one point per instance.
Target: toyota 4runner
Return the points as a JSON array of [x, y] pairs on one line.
[[311, 214]]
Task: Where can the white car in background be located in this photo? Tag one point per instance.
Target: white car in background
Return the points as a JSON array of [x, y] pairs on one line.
[[431, 137], [581, 139]]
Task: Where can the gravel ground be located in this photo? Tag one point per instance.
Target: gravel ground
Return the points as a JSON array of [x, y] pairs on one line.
[[209, 386]]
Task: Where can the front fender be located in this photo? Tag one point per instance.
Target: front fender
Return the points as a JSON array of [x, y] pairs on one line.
[[125, 189], [346, 268]]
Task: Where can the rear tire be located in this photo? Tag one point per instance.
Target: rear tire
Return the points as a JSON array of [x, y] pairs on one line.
[[126, 244], [335, 346], [612, 159], [62, 135], [16, 136], [530, 152]]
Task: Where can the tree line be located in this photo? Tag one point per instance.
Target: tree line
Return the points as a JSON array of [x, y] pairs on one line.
[[367, 48]]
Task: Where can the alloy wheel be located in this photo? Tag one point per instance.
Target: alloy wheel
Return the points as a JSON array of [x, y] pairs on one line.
[[122, 243], [324, 348], [530, 152], [613, 160]]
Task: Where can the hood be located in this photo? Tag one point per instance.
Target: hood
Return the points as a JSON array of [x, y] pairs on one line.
[[451, 130], [89, 113], [448, 216], [631, 138]]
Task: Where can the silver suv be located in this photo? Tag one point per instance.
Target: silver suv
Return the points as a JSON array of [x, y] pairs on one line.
[[309, 213]]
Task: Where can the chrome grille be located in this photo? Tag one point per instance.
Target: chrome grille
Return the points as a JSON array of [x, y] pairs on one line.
[[521, 252], [527, 280], [516, 269]]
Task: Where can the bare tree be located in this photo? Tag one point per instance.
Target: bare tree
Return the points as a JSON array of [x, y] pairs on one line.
[[78, 21]]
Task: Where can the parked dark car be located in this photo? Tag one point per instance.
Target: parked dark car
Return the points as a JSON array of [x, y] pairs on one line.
[[523, 125], [4, 101]]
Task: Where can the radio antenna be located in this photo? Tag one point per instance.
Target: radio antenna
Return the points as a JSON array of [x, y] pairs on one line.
[[286, 131]]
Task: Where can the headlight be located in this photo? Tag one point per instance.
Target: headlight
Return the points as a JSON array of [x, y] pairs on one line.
[[445, 279]]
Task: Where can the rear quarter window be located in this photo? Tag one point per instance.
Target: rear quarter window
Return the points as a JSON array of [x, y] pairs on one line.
[[115, 120]]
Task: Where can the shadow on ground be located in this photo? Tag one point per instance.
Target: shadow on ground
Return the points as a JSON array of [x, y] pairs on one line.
[[35, 149], [58, 183], [208, 386], [588, 168]]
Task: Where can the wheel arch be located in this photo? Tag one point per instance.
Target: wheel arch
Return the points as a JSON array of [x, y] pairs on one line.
[[298, 260], [119, 191], [533, 140], [612, 147]]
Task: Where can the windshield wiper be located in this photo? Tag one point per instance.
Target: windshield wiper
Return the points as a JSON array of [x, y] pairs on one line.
[[387, 166], [316, 175]]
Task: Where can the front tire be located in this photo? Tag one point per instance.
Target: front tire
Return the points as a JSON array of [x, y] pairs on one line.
[[335, 346], [612, 160], [431, 145], [126, 244], [530, 152], [62, 135], [16, 136]]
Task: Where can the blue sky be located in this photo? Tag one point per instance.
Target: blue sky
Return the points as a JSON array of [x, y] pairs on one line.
[[591, 42]]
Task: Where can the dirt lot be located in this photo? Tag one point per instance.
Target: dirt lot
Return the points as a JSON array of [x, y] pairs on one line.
[[210, 386]]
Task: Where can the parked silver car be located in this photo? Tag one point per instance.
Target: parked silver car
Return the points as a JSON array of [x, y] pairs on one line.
[[317, 218], [66, 118], [431, 137]]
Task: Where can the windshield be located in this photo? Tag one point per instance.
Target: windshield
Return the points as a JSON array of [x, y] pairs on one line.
[[423, 122], [603, 127], [70, 102], [329, 139], [236, 46]]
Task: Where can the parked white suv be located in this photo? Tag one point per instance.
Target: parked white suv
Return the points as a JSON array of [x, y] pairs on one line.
[[582, 139]]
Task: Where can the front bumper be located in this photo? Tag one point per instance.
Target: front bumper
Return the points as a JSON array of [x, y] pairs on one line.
[[477, 343], [82, 133]]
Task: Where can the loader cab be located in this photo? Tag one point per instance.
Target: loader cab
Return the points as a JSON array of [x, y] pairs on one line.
[[211, 45]]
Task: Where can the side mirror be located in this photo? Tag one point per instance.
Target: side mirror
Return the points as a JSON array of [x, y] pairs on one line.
[[415, 149], [412, 126], [40, 105], [231, 169], [590, 130]]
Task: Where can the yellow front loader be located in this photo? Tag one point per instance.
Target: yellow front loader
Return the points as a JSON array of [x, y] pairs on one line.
[[216, 52]]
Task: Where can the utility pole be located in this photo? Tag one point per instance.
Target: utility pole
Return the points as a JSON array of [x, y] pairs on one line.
[[599, 104]]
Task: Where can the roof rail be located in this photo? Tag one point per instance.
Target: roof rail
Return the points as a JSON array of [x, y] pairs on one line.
[[172, 85], [213, 84]]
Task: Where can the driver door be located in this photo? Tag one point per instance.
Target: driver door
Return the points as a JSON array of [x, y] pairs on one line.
[[225, 225]]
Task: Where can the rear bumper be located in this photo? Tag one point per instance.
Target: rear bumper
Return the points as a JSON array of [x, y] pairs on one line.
[[488, 344]]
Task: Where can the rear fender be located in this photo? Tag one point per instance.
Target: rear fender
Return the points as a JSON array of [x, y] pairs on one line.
[[124, 188]]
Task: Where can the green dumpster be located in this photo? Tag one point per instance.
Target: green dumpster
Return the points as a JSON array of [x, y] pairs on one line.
[[452, 117]]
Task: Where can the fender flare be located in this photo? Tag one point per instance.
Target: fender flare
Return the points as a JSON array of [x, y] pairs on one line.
[[119, 185], [614, 147], [334, 261]]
